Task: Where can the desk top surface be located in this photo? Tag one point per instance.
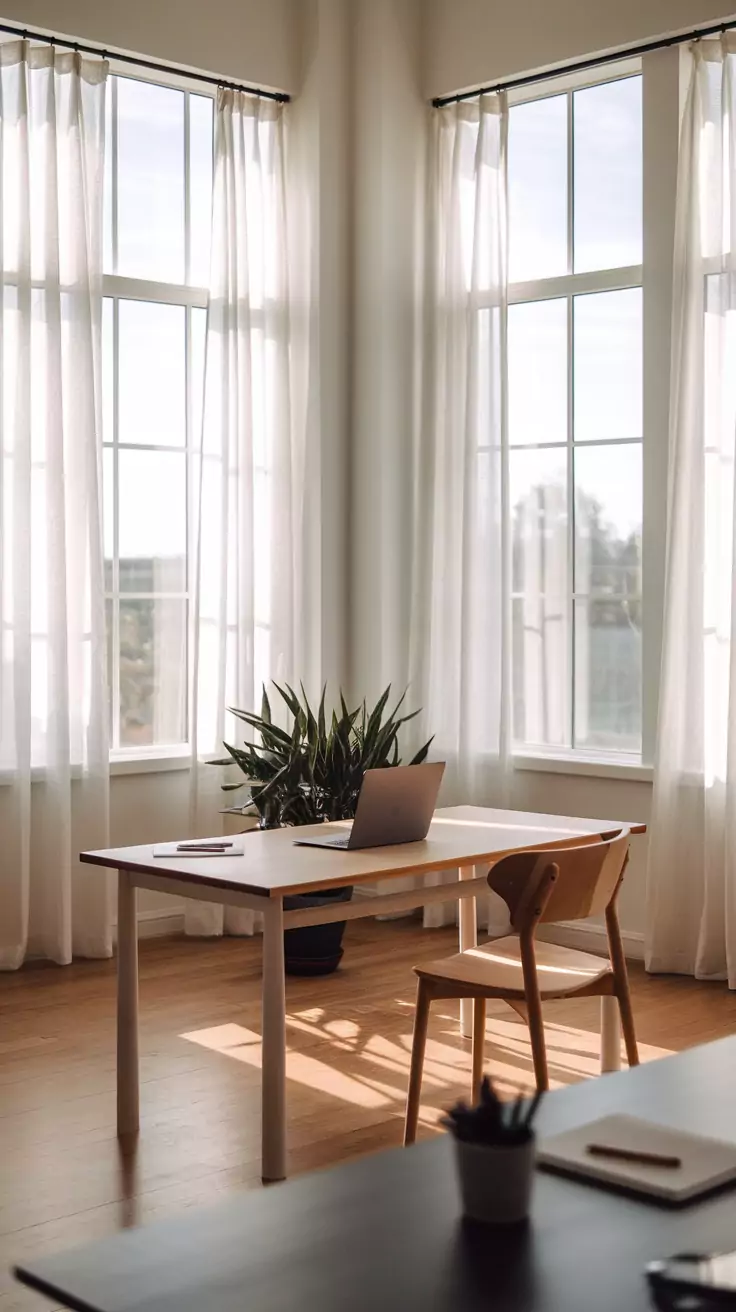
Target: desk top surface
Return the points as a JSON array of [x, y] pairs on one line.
[[384, 1234], [272, 866]]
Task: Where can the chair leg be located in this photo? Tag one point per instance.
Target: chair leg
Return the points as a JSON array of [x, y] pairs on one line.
[[479, 1040], [621, 981], [627, 1025], [534, 1011], [418, 1045], [539, 1050]]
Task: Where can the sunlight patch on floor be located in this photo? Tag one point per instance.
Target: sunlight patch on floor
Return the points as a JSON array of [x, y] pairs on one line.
[[383, 1063], [245, 1045]]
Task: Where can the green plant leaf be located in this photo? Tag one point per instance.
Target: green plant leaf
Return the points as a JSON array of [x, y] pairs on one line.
[[422, 754], [289, 697], [265, 706], [265, 728]]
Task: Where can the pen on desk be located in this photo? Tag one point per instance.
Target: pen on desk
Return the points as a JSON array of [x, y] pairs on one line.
[[203, 847], [634, 1155]]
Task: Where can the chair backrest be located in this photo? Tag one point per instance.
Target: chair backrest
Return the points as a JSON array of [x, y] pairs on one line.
[[568, 883]]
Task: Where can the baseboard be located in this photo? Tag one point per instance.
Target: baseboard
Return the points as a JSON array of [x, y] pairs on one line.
[[158, 924], [592, 938]]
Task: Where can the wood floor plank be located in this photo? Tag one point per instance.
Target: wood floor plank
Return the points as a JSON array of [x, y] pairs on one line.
[[63, 1179]]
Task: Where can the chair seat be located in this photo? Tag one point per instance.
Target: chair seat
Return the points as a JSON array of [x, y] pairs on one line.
[[495, 968]]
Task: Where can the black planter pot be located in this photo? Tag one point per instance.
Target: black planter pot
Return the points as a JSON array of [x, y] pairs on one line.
[[315, 949]]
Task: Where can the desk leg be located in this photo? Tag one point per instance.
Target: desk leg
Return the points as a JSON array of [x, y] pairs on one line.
[[468, 918], [128, 1085], [273, 1070], [610, 1035]]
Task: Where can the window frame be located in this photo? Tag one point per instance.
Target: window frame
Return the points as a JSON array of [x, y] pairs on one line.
[[528, 755], [117, 288], [664, 81]]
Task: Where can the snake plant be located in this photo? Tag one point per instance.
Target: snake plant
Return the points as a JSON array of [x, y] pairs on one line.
[[312, 769]]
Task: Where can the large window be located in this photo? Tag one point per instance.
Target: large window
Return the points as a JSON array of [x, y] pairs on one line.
[[158, 193], [575, 417]]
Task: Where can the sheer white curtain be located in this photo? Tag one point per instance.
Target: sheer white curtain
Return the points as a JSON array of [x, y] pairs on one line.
[[460, 615], [691, 913], [53, 682], [250, 474]]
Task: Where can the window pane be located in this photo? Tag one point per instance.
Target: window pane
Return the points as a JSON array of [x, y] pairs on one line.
[[537, 364], [150, 181], [108, 514], [152, 343], [153, 672], [608, 175], [608, 518], [538, 499], [199, 331], [537, 167], [541, 623], [110, 639], [108, 263], [608, 365], [108, 394], [608, 674], [200, 187], [540, 670], [153, 521]]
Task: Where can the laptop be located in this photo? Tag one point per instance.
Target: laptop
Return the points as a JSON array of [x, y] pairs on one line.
[[395, 805]]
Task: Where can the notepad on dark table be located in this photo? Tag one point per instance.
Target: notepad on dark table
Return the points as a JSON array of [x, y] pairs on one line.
[[706, 1163]]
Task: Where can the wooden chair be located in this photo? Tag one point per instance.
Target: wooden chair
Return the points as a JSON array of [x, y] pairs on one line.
[[538, 888]]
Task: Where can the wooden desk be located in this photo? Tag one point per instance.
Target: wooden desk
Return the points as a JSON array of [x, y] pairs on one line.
[[272, 867], [384, 1233]]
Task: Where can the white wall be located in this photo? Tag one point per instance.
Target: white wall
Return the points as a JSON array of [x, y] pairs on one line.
[[321, 180], [388, 161], [251, 40], [471, 42]]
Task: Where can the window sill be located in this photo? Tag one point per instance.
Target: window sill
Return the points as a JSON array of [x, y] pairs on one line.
[[596, 767], [156, 761]]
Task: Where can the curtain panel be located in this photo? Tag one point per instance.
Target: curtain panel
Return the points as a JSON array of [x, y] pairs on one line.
[[53, 671], [460, 613], [460, 619], [691, 896], [251, 480]]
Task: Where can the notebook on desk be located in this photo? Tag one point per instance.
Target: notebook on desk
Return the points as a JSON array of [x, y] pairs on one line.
[[200, 847], [705, 1164]]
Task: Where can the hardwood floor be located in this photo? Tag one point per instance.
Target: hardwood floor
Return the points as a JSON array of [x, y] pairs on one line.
[[63, 1179]]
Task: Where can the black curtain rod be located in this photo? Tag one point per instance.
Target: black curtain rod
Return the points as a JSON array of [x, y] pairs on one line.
[[26, 35], [630, 52]]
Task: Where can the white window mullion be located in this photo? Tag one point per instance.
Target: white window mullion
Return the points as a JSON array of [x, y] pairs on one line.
[[571, 619], [571, 573], [114, 198], [661, 123], [115, 663]]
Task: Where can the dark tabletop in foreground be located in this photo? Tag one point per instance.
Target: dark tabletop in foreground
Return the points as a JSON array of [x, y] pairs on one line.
[[385, 1233]]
